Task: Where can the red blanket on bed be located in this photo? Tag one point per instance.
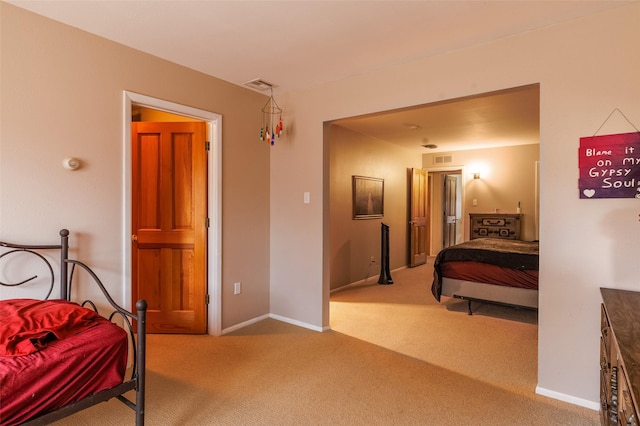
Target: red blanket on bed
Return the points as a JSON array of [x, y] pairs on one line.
[[497, 255], [29, 324], [71, 352]]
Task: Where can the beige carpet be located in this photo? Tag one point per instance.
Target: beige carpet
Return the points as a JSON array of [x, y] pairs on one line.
[[497, 344], [394, 357]]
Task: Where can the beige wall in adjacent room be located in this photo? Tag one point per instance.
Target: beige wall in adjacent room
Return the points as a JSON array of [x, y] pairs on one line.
[[62, 95], [354, 241], [507, 177]]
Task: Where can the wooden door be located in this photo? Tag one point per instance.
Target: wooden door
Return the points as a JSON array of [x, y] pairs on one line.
[[418, 221], [169, 212], [449, 228]]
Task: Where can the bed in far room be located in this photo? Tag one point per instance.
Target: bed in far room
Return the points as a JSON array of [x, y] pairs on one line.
[[489, 270]]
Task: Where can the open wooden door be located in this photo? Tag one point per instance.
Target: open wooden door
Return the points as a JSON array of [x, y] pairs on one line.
[[418, 220], [169, 213]]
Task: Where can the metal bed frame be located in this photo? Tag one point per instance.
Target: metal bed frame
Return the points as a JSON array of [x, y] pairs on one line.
[[136, 381], [472, 291]]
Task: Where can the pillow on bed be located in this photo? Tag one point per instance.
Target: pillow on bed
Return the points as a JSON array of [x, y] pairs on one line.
[[29, 324]]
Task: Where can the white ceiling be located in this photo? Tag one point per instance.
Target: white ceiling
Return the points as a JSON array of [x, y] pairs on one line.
[[301, 44]]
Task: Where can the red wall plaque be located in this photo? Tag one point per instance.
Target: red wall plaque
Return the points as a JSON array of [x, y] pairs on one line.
[[610, 166]]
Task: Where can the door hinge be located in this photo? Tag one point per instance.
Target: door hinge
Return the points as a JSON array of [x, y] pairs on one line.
[[207, 146], [207, 222], [207, 299]]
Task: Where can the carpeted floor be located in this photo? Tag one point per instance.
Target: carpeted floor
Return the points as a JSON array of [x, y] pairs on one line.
[[497, 344], [394, 357]]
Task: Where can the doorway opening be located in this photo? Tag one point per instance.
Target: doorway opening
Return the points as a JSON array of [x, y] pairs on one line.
[[501, 129], [214, 200], [447, 211]]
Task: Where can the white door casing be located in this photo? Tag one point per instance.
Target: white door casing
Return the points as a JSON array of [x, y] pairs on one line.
[[214, 207]]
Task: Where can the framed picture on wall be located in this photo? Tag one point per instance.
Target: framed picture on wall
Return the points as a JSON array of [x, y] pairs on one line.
[[368, 197]]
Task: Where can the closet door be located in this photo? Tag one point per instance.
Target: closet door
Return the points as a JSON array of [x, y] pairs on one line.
[[169, 224]]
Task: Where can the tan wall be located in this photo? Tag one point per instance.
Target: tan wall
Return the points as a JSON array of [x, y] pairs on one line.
[[354, 242], [62, 95], [507, 178], [585, 68], [52, 75]]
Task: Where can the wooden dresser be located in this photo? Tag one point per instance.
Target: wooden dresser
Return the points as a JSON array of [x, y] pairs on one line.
[[494, 225], [620, 357]]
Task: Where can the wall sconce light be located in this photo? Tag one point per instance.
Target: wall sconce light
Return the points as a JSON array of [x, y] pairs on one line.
[[476, 175]]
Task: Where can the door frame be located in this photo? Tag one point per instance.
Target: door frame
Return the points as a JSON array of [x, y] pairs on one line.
[[459, 199], [214, 200], [436, 219]]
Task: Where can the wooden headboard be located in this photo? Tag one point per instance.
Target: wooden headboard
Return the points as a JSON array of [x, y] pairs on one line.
[[505, 226]]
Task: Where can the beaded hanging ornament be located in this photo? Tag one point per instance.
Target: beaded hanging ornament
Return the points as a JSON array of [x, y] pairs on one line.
[[272, 125]]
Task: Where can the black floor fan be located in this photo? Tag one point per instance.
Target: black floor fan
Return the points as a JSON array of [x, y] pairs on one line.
[[385, 274]]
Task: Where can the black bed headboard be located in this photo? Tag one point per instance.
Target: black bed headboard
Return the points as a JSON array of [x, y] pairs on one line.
[[35, 251]]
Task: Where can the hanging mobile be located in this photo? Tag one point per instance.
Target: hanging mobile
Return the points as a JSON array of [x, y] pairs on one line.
[[270, 111]]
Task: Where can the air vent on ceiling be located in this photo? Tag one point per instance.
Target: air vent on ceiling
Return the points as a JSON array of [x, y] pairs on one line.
[[442, 159], [259, 84]]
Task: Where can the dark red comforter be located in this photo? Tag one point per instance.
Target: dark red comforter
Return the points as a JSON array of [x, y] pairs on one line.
[[512, 263], [53, 353], [491, 274]]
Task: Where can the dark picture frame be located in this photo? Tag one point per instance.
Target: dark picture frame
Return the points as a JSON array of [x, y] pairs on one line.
[[368, 197]]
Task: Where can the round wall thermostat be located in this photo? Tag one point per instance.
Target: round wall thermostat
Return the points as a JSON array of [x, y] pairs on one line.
[[71, 163]]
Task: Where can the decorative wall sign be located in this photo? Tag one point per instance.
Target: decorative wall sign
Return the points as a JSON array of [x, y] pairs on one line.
[[610, 166], [368, 197]]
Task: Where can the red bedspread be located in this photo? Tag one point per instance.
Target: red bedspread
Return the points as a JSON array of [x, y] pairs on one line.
[[512, 263], [76, 353], [491, 274], [29, 324]]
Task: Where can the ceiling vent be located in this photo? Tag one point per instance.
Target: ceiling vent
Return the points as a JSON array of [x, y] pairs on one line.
[[443, 159], [259, 84]]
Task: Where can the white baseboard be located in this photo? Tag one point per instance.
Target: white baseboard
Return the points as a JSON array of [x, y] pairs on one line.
[[244, 324], [357, 283], [298, 323], [568, 398], [276, 317]]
